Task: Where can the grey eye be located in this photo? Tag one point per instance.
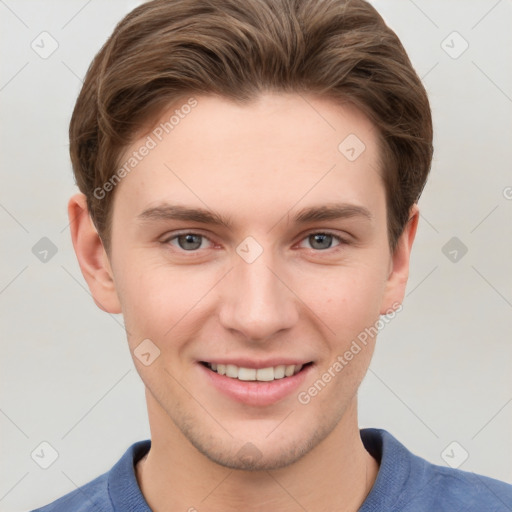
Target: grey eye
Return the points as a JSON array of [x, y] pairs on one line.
[[189, 242], [320, 240]]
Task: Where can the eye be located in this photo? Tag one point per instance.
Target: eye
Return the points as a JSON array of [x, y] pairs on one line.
[[192, 242], [187, 241], [323, 240]]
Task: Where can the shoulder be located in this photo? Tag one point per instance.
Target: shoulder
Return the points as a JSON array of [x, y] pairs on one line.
[[410, 483], [453, 489], [88, 497], [114, 491]]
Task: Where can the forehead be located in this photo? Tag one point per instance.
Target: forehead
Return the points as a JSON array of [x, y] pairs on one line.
[[279, 150]]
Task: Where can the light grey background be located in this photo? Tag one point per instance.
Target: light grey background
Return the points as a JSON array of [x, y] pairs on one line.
[[442, 368]]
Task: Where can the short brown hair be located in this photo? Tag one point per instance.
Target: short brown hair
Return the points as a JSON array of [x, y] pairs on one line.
[[165, 49]]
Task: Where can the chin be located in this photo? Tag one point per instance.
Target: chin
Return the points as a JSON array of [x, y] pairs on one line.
[[260, 454], [250, 458]]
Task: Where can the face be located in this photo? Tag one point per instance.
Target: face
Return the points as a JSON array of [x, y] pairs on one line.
[[248, 241]]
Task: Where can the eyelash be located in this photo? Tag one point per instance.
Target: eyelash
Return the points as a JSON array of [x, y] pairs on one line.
[[341, 240]]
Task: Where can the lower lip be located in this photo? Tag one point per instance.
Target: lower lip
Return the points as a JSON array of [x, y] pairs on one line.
[[257, 393]]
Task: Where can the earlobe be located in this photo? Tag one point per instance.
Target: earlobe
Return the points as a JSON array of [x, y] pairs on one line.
[[91, 255], [399, 273]]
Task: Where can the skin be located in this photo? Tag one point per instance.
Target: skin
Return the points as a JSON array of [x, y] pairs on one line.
[[257, 164]]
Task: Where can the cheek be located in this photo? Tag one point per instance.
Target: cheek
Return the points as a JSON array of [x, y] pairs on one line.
[[157, 299], [347, 299]]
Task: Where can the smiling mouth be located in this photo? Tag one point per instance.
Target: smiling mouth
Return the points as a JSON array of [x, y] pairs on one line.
[[256, 374]]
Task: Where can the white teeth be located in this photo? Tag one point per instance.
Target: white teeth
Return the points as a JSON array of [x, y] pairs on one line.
[[246, 373], [279, 371], [265, 374], [232, 371], [252, 374], [288, 371]]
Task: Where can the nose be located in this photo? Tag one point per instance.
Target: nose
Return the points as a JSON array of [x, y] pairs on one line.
[[257, 301]]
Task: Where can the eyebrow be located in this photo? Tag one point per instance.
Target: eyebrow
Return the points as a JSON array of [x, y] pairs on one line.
[[326, 212]]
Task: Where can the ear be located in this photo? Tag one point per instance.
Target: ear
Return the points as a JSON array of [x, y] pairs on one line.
[[399, 264], [91, 255]]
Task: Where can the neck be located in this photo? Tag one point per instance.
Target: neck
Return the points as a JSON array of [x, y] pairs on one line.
[[175, 476]]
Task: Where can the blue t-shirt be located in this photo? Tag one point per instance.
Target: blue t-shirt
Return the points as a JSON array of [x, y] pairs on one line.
[[405, 483]]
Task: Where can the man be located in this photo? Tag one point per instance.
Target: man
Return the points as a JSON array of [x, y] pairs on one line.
[[249, 176]]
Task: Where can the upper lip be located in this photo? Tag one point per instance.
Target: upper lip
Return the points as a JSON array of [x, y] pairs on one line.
[[257, 364]]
